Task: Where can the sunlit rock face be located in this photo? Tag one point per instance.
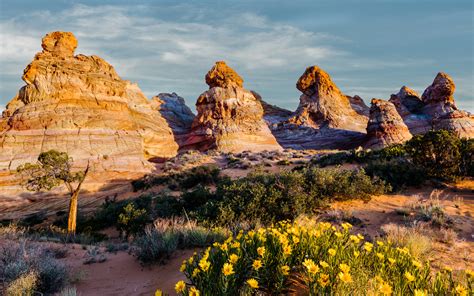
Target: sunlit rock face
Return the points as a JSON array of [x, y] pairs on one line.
[[78, 104], [435, 109], [385, 126], [229, 118], [322, 104]]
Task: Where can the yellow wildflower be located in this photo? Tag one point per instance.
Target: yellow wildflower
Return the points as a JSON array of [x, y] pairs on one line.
[[158, 293], [285, 270], [233, 258], [470, 273], [286, 250], [391, 260], [204, 264], [332, 252], [311, 266], [183, 266], [324, 264], [191, 259], [196, 271], [224, 247], [417, 263], [360, 236], [385, 289], [354, 238], [356, 254], [379, 243], [420, 293], [344, 268], [368, 247], [179, 287], [252, 283], [323, 280], [409, 277], [346, 226], [345, 277], [261, 251], [448, 269], [228, 269], [257, 264], [193, 291], [235, 245], [460, 290], [296, 240], [380, 256], [338, 234]]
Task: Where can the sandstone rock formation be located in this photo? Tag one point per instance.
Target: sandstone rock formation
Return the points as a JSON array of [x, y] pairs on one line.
[[229, 118], [78, 104], [359, 105], [322, 104], [179, 117], [385, 126], [436, 109]]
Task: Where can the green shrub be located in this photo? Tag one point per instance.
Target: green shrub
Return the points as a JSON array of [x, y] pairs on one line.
[[283, 162], [397, 172], [24, 285], [132, 220], [201, 175], [167, 206], [437, 152], [266, 197], [466, 149], [21, 259]]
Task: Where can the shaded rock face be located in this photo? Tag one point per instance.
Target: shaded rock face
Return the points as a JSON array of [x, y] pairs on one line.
[[359, 106], [78, 104], [173, 108], [272, 113], [229, 118], [322, 104], [385, 126], [436, 109]]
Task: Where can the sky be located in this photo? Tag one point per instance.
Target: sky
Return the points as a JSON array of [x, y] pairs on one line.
[[369, 47]]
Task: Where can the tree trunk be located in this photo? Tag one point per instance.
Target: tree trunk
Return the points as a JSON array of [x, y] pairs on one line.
[[71, 222]]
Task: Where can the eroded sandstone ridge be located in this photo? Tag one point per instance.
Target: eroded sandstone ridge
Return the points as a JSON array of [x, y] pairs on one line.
[[229, 118], [78, 104], [436, 109], [322, 104], [385, 126]]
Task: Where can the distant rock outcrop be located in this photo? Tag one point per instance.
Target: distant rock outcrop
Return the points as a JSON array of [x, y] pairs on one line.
[[359, 105], [385, 126], [436, 109], [322, 104], [78, 104], [272, 113], [229, 118]]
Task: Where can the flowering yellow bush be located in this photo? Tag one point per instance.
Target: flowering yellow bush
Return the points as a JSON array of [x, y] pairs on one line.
[[315, 258]]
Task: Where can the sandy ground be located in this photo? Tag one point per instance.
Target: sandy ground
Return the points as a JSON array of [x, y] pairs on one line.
[[121, 274]]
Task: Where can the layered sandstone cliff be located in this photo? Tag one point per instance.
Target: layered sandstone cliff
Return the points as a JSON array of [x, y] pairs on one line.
[[78, 104], [385, 126], [229, 118]]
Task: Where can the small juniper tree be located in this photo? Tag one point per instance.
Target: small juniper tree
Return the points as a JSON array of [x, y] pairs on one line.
[[52, 169]]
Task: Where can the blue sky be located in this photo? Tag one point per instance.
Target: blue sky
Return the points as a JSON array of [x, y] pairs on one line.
[[370, 48]]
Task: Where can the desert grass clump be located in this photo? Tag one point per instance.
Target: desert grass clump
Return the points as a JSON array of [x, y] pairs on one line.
[[168, 235], [312, 259], [24, 285], [20, 259], [411, 238]]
